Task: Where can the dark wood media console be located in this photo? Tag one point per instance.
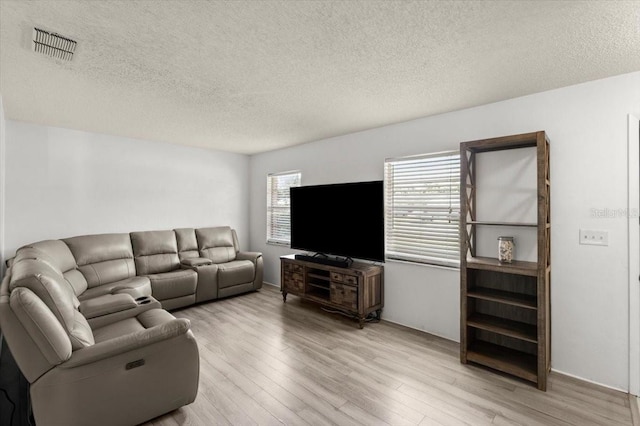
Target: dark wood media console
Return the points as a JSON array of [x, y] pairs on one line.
[[357, 290]]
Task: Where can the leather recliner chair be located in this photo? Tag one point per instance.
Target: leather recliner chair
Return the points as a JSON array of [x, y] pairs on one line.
[[82, 317], [129, 362]]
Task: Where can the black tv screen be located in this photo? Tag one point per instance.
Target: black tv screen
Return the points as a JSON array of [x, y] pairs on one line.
[[344, 219]]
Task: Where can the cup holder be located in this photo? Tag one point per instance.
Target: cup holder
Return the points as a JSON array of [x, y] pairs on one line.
[[143, 300]]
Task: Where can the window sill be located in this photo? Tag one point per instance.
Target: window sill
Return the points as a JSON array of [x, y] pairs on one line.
[[429, 265], [279, 244]]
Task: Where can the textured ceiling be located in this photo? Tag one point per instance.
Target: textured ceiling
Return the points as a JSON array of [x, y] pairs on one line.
[[252, 76]]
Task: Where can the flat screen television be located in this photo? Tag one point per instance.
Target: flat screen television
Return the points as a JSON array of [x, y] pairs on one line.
[[344, 219]]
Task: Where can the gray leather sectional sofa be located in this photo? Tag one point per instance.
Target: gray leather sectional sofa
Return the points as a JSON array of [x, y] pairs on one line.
[[85, 319]]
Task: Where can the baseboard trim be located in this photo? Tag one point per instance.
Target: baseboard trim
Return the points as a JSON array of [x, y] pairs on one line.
[[573, 376], [634, 403], [418, 329]]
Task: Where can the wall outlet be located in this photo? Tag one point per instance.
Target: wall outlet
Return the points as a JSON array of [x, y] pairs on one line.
[[594, 237]]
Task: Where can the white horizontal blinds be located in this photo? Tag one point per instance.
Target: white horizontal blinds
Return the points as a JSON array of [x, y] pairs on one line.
[[422, 196], [278, 211]]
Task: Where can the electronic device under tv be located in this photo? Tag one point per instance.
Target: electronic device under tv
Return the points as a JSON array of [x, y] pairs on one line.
[[344, 220]]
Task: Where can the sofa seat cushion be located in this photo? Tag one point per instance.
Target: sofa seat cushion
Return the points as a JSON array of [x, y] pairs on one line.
[[170, 285], [235, 272], [135, 286], [147, 319], [107, 304], [120, 328]]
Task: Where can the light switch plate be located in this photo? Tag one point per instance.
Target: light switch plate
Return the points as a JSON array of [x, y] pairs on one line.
[[594, 237]]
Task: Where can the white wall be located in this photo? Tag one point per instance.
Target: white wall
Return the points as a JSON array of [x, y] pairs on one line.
[[2, 186], [61, 183], [586, 125]]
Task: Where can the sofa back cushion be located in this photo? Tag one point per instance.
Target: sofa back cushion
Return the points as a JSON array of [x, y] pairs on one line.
[[104, 258], [155, 252], [41, 325], [57, 254], [216, 244], [187, 243], [42, 279]]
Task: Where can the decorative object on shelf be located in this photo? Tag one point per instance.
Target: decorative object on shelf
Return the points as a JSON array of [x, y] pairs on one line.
[[505, 249], [505, 305]]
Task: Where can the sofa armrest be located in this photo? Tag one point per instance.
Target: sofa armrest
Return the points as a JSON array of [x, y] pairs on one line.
[[127, 343], [196, 261], [107, 304], [248, 255]]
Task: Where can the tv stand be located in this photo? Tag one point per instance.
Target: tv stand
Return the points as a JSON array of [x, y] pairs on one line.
[[357, 290], [326, 260]]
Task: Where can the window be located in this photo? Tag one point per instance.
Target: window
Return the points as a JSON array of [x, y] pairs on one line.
[[422, 202], [278, 218]]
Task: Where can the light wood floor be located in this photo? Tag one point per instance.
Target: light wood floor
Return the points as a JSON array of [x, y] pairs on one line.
[[263, 361]]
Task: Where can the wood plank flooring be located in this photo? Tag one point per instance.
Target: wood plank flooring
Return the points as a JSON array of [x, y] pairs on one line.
[[263, 361]]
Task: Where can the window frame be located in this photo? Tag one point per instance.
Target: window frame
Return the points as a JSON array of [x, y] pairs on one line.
[[270, 208], [451, 258]]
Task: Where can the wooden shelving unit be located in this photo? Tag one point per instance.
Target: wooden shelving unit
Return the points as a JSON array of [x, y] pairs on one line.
[[505, 307]]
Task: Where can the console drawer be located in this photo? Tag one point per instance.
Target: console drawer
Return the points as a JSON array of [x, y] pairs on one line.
[[345, 296], [344, 278], [350, 279], [293, 267]]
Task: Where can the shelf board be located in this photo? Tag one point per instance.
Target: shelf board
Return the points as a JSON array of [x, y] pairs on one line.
[[525, 140], [510, 361], [320, 286], [320, 277], [518, 267], [506, 297], [316, 298], [503, 326], [521, 224]]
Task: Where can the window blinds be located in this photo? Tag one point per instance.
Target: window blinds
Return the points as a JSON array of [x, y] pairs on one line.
[[422, 197], [278, 212]]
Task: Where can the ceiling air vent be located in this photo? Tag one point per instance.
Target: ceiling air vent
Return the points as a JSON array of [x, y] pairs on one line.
[[53, 44]]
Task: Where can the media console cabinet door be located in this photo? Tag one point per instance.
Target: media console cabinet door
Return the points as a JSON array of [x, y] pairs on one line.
[[344, 295], [292, 278]]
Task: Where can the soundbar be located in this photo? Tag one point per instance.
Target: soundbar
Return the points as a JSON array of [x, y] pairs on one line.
[[337, 262]]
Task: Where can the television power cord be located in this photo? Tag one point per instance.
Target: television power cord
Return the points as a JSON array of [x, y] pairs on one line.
[[372, 317]]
